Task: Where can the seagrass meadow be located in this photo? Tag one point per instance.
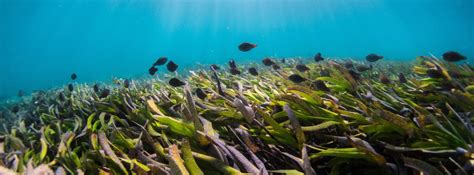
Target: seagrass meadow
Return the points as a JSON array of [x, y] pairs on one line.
[[336, 121]]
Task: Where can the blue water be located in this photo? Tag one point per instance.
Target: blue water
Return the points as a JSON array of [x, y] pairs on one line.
[[43, 41]]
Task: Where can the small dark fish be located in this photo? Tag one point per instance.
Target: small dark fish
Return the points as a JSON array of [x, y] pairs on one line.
[[453, 56], [70, 87], [160, 61], [373, 57], [354, 74], [73, 76], [126, 83], [61, 96], [447, 87], [295, 78], [302, 68], [434, 73], [21, 93], [276, 109], [276, 67], [171, 66], [232, 64], [176, 82], [244, 47], [324, 73], [402, 78], [268, 62], [104, 93], [320, 85], [234, 71], [200, 93], [152, 71], [456, 74], [384, 79], [283, 60], [16, 109], [318, 57], [96, 88], [253, 71], [215, 67], [348, 64], [363, 68]]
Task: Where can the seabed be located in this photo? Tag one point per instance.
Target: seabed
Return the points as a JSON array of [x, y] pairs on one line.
[[396, 118]]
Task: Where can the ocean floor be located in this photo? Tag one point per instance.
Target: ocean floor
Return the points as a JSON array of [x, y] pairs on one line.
[[278, 116]]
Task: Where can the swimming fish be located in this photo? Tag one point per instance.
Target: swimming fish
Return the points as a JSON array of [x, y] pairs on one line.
[[126, 83], [16, 109], [363, 68], [283, 60], [276, 67], [104, 93], [21, 93], [324, 73], [244, 47], [176, 82], [453, 56], [152, 70], [384, 79], [348, 64], [234, 71], [402, 78], [354, 74], [171, 66], [276, 109], [320, 85], [295, 78], [96, 88], [456, 74], [373, 57], [200, 93], [61, 96], [70, 87], [73, 76], [268, 62], [215, 67], [318, 57], [160, 61], [232, 64], [302, 68], [253, 71], [434, 73]]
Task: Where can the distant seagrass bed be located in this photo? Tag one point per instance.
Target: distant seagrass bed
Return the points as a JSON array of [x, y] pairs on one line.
[[281, 116]]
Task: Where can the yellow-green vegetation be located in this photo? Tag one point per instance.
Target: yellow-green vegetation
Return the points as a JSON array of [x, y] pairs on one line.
[[263, 124]]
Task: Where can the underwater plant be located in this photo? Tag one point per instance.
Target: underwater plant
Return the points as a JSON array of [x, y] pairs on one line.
[[318, 118]]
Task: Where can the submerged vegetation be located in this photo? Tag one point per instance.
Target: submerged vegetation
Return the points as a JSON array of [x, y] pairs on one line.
[[326, 117]]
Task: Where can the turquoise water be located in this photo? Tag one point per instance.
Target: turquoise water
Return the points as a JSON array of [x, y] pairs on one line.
[[43, 42]]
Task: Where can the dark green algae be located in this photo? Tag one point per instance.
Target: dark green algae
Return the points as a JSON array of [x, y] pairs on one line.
[[342, 121]]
